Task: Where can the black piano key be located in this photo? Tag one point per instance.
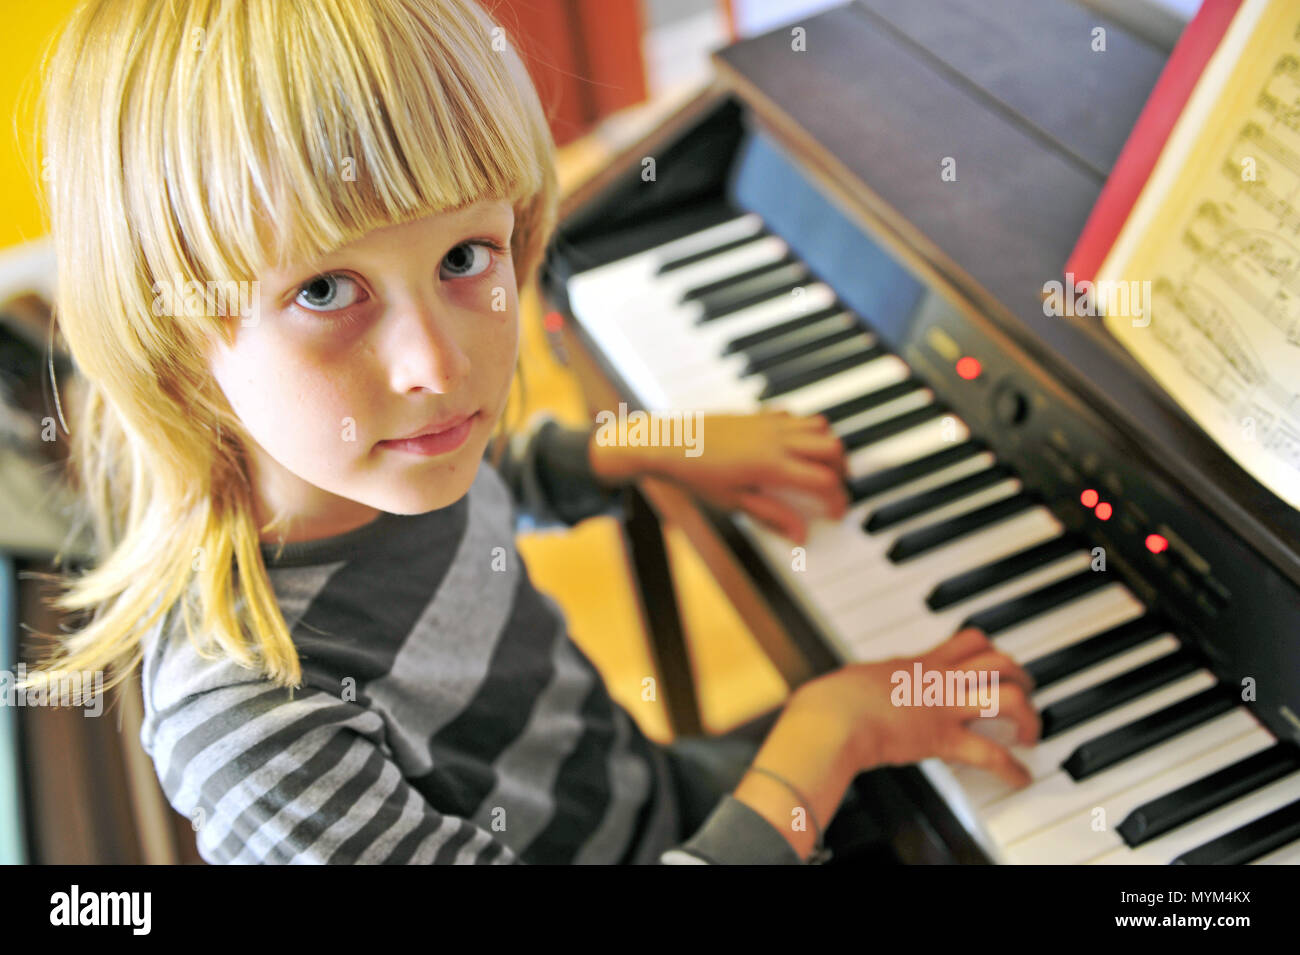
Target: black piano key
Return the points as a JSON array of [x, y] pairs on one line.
[[1251, 841], [924, 539], [762, 359], [780, 381], [1106, 750], [896, 512], [869, 485], [730, 245], [1090, 703], [721, 308], [760, 274], [812, 363], [961, 586], [746, 342], [753, 292], [1007, 614], [1059, 664], [896, 425], [872, 399], [1155, 818]]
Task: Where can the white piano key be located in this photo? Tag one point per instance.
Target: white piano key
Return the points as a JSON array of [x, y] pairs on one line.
[[877, 545], [729, 369], [850, 383], [876, 580], [864, 586], [701, 387], [1287, 855], [866, 570], [781, 340], [698, 344], [974, 464], [1059, 796], [920, 398], [742, 226], [720, 396], [1234, 815], [724, 384], [1107, 607], [668, 289], [1045, 757], [1108, 669], [629, 316], [1081, 833], [697, 355], [898, 620], [884, 631], [641, 267], [825, 556], [832, 546], [925, 438]]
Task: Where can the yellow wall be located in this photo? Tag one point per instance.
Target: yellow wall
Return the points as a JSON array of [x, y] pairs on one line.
[[28, 27]]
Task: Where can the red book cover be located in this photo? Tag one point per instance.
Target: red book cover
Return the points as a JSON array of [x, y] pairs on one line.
[[1138, 158]]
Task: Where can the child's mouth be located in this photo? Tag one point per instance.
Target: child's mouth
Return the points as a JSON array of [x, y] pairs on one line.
[[438, 442]]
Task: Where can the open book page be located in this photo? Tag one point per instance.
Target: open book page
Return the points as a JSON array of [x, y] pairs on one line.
[[1203, 284]]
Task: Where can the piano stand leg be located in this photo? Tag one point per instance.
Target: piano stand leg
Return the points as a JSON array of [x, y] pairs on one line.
[[654, 583]]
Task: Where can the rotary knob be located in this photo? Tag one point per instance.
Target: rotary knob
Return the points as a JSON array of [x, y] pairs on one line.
[[1010, 405]]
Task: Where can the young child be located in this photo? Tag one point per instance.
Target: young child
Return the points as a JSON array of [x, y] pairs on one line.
[[301, 535]]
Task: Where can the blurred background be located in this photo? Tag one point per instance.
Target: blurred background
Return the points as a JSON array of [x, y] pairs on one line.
[[78, 790]]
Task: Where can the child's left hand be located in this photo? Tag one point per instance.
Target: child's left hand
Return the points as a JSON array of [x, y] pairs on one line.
[[774, 466]]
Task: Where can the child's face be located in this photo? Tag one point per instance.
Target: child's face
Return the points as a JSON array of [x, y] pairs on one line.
[[392, 336]]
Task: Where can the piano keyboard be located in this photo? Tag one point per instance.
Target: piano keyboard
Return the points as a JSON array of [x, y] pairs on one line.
[[1145, 757]]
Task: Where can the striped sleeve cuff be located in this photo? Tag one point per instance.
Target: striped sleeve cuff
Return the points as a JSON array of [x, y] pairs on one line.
[[545, 465], [734, 834], [574, 491]]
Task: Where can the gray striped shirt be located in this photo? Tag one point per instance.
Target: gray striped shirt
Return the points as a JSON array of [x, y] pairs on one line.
[[445, 715]]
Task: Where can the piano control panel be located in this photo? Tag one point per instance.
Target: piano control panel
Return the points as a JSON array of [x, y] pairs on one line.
[[1109, 496], [1178, 558]]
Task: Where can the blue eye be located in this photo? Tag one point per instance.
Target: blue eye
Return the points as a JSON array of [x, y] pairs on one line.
[[322, 293], [469, 259], [335, 293]]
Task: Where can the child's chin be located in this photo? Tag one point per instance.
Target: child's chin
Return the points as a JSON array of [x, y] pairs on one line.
[[427, 495]]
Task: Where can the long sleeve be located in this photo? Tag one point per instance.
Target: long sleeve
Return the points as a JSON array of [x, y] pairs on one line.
[[269, 780], [546, 468], [733, 834]]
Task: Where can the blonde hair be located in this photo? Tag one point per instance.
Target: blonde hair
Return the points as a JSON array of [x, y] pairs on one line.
[[207, 140]]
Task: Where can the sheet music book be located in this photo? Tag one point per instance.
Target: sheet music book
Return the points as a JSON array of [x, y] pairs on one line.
[[1202, 283]]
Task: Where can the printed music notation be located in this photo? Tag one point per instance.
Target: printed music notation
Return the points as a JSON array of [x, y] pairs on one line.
[[1220, 245]]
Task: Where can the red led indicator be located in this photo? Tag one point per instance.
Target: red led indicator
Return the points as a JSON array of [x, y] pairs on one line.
[[1156, 544], [553, 322], [968, 368], [1103, 511], [1089, 498]]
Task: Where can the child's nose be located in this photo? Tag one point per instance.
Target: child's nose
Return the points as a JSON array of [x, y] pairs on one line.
[[423, 352]]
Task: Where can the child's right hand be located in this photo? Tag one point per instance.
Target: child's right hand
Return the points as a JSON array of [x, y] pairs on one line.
[[843, 723], [877, 732]]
